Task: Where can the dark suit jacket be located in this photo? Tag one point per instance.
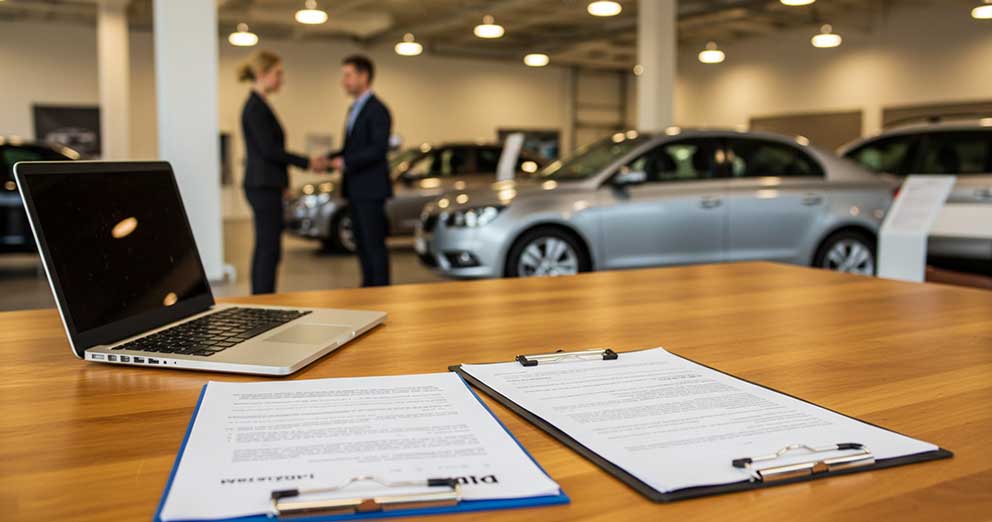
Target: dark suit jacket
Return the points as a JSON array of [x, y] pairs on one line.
[[266, 157], [366, 168]]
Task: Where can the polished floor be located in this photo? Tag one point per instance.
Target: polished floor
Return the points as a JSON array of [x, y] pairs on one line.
[[23, 284]]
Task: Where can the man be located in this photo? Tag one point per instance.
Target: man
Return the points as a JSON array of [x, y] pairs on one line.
[[365, 168]]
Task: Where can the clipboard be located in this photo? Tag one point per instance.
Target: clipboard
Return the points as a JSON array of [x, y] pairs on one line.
[[790, 474], [446, 501]]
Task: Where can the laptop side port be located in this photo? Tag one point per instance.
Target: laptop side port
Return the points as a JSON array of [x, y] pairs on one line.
[[139, 360], [125, 358], [152, 361], [112, 358], [97, 357]]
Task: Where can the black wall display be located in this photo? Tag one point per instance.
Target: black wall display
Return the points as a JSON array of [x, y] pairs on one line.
[[75, 127]]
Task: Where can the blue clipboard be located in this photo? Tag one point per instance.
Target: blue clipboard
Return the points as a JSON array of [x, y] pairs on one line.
[[464, 506]]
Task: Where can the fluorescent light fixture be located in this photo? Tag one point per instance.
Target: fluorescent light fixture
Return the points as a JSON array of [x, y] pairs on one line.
[[310, 15], [604, 8], [712, 54], [489, 28], [536, 60], [826, 39], [408, 47], [796, 3], [243, 37], [983, 12]]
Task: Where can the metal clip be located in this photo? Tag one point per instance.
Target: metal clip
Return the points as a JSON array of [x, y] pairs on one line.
[[863, 457], [604, 354], [449, 497]]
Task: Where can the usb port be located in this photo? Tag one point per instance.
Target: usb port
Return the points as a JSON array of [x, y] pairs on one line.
[[152, 361], [139, 360], [112, 358], [125, 358], [97, 356]]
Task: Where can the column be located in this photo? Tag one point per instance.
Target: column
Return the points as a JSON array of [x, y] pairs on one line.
[[188, 132], [656, 53], [114, 71]]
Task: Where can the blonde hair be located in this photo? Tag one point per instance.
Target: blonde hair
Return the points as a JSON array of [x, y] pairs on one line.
[[260, 63]]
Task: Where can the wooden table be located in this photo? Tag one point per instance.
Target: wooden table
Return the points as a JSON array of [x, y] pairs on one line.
[[82, 441]]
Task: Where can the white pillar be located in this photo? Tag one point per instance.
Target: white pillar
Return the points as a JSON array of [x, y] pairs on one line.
[[656, 52], [188, 132], [114, 69]]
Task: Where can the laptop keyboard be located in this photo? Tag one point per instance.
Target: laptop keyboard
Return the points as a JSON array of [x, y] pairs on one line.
[[215, 332]]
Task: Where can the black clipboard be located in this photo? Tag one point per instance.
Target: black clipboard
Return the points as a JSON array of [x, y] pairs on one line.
[[686, 493]]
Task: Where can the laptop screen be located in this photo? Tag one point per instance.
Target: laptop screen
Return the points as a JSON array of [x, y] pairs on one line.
[[118, 247]]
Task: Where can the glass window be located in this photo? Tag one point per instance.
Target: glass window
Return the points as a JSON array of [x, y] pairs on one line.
[[487, 159], [894, 155], [750, 158], [424, 167], [456, 161], [592, 159], [965, 152], [684, 160]]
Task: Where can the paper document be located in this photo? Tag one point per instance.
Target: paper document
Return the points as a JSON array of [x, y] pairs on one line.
[[250, 439], [676, 424]]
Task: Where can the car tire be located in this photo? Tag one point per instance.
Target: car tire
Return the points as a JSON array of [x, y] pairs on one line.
[[849, 251], [341, 241], [547, 251]]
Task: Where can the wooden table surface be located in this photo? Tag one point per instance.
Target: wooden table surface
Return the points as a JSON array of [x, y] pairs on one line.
[[84, 441]]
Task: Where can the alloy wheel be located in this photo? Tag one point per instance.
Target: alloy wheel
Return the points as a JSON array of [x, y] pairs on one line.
[[851, 256], [548, 256]]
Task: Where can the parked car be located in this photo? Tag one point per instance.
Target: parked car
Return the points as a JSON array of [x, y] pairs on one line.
[[679, 197], [319, 211], [15, 231], [963, 149]]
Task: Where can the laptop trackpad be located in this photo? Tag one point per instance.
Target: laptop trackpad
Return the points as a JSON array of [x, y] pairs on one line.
[[309, 334]]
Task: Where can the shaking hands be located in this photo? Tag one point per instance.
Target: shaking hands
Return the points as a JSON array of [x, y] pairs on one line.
[[324, 164]]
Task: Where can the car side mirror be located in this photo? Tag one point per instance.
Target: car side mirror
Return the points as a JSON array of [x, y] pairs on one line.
[[627, 177]]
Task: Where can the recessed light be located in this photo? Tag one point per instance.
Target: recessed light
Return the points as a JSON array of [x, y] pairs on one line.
[[604, 8], [536, 60], [983, 12]]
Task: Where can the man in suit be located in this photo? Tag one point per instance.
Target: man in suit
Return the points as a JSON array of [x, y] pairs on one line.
[[365, 168]]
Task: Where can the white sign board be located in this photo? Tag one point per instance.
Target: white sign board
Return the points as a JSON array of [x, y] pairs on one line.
[[902, 243], [507, 166]]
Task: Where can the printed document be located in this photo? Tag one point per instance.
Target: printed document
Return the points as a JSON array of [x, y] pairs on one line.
[[250, 439], [673, 423]]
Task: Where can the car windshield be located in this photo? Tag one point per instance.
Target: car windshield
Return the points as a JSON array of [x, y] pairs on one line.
[[401, 161], [591, 159]]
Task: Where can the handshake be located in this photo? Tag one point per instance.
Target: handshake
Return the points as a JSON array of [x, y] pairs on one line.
[[325, 164]]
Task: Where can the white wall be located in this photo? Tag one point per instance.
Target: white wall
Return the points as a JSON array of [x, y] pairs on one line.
[[915, 55]]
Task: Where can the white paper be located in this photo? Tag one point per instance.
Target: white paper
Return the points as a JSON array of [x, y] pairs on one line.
[[902, 241], [250, 439], [676, 424]]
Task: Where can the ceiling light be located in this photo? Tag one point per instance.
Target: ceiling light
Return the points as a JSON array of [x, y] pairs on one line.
[[983, 12], [310, 15], [711, 54], [796, 3], [604, 8], [408, 47], [826, 38], [536, 59], [243, 37], [488, 28], [638, 70]]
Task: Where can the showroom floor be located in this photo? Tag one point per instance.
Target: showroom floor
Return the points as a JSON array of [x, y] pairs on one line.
[[23, 284]]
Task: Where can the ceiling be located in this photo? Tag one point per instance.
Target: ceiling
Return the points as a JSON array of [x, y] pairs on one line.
[[561, 28]]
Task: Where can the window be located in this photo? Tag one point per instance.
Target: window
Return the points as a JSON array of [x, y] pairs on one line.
[[750, 158], [487, 159], [894, 155], [591, 159], [684, 160], [964, 152]]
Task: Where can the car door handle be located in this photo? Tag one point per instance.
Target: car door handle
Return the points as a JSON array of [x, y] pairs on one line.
[[812, 199], [711, 202]]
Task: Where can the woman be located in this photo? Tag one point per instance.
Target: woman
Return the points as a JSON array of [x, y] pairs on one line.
[[266, 162]]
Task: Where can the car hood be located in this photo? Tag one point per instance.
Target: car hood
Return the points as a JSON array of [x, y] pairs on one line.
[[504, 192]]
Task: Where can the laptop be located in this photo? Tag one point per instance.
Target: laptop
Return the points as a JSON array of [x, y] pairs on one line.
[[127, 277]]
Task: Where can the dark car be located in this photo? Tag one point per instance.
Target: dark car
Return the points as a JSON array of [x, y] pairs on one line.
[[15, 232], [420, 174]]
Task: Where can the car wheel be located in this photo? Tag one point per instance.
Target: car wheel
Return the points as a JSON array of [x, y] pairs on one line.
[[847, 251], [547, 252], [342, 237]]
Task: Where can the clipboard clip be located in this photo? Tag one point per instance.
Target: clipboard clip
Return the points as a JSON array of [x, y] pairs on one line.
[[285, 502], [862, 457], [605, 354]]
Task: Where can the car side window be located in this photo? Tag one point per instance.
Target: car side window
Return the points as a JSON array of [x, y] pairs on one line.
[[425, 167], [957, 152], [683, 160], [751, 158], [894, 155], [487, 159]]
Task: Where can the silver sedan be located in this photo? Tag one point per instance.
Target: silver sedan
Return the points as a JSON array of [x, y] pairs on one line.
[[678, 197]]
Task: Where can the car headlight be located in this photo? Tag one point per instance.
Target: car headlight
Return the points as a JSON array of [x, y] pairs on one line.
[[472, 217]]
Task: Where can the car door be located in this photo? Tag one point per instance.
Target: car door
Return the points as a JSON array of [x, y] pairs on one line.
[[434, 174], [676, 216], [776, 195]]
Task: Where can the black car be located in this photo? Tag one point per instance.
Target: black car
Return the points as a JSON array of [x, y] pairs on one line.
[[15, 232]]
